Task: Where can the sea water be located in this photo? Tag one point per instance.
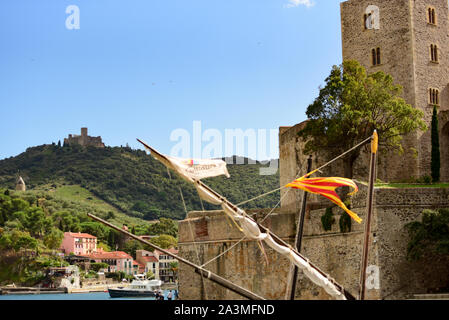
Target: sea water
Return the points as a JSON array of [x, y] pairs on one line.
[[74, 296]]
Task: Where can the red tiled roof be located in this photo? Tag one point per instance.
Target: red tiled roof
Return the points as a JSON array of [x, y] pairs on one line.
[[80, 235], [108, 255], [150, 259], [135, 263]]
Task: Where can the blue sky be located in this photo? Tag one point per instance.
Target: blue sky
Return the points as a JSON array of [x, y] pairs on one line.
[[143, 68]]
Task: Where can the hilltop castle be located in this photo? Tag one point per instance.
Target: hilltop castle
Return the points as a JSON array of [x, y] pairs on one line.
[[84, 140]]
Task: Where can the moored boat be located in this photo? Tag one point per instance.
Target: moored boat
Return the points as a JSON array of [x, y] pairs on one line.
[[139, 287]]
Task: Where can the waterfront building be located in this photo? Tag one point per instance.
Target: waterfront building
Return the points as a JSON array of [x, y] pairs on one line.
[[150, 262], [138, 268], [166, 272], [79, 243], [116, 261], [158, 263]]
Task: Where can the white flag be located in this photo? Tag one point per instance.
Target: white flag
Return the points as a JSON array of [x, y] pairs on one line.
[[191, 169], [197, 169]]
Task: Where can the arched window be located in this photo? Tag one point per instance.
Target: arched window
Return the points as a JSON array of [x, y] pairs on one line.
[[372, 17], [434, 98], [434, 53], [431, 16], [375, 56]]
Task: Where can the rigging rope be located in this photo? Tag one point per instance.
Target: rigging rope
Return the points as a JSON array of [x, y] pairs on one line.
[[244, 237], [292, 250], [191, 231], [308, 174]]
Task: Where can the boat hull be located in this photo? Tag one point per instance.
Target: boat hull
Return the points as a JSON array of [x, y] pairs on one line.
[[120, 293]]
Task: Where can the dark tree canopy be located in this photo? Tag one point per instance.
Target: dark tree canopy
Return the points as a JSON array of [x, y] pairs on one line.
[[435, 156]]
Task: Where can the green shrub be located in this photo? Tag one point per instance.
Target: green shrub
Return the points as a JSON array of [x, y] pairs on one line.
[[327, 219], [430, 236], [435, 154], [425, 179], [96, 266], [345, 222]]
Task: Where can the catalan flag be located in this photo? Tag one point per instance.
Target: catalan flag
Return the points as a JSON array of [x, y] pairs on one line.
[[326, 187]]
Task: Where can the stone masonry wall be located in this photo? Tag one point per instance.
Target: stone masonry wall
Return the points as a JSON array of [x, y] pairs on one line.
[[394, 209], [204, 235], [429, 74], [336, 253]]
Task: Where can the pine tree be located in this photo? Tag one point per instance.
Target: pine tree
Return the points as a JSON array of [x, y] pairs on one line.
[[435, 160]]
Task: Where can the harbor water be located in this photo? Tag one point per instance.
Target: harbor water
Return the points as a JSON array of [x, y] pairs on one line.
[[73, 296]]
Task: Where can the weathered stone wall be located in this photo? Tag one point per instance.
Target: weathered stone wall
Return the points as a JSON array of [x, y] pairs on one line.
[[394, 209], [245, 264], [336, 253], [429, 74]]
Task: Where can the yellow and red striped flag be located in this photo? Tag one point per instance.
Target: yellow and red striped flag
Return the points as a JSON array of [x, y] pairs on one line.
[[326, 187]]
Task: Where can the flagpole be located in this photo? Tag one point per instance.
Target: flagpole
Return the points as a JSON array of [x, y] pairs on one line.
[[369, 205], [291, 286], [198, 269], [163, 159]]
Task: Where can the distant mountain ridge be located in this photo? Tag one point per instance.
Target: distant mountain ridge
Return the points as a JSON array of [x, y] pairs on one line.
[[132, 181]]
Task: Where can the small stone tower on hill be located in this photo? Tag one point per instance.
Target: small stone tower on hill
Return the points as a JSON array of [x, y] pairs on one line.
[[20, 185]]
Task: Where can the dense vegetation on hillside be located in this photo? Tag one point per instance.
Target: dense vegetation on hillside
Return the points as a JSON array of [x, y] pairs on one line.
[[130, 180], [32, 225]]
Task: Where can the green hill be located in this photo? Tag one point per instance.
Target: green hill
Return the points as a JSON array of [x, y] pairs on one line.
[[129, 180]]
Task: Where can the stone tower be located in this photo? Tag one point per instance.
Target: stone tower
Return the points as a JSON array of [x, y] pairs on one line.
[[20, 185], [407, 39]]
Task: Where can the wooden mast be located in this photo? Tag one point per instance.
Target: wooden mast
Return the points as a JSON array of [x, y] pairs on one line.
[[369, 205], [293, 274]]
